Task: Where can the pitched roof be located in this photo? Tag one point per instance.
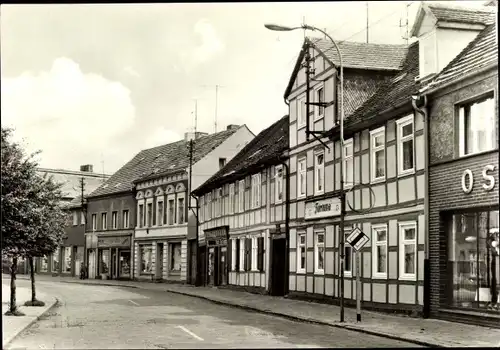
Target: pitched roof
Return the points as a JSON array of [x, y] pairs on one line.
[[392, 93], [461, 14], [481, 52], [263, 149], [70, 180], [156, 161]]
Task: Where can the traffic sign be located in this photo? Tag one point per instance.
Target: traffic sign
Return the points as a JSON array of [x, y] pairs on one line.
[[357, 239]]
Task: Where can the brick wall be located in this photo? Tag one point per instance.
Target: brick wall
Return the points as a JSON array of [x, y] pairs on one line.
[[446, 194]]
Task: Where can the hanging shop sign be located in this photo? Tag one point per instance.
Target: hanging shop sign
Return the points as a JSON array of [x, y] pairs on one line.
[[322, 208], [117, 241], [488, 180]]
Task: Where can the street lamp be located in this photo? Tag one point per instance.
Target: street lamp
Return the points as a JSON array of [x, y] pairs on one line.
[[280, 28]]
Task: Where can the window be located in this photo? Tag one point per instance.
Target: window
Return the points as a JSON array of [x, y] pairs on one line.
[[44, 264], [405, 145], [175, 257], [242, 254], [218, 202], [171, 212], [75, 218], [114, 220], [82, 218], [149, 218], [67, 258], [222, 162], [348, 163], [180, 207], [104, 220], [141, 215], [231, 199], [379, 253], [159, 217], [255, 253], [320, 98], [301, 178], [146, 252], [94, 222], [301, 112], [256, 191], [348, 256], [202, 208], [55, 260], [319, 252], [319, 173], [279, 184], [301, 253], [241, 196], [209, 206], [125, 219], [408, 250], [233, 254], [377, 138], [477, 129], [103, 261]]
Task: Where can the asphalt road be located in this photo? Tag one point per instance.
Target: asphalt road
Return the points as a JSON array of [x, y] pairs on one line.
[[107, 317]]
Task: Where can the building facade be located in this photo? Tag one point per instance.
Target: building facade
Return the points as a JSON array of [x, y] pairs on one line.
[[463, 191], [166, 226], [243, 217]]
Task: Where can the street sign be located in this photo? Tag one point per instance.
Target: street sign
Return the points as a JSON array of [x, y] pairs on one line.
[[357, 239]]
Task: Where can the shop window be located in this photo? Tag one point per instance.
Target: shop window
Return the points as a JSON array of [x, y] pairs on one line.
[[408, 251], [255, 253], [279, 184], [104, 261], [301, 178], [171, 212], [146, 252], [348, 163], [241, 196], [242, 254], [159, 217], [477, 126], [175, 257], [180, 208], [141, 215], [347, 256], [255, 191], [406, 162], [231, 199], [67, 258], [55, 260], [379, 251], [125, 219], [104, 220], [301, 253], [319, 252], [114, 220], [94, 222], [473, 268], [75, 218], [44, 264], [378, 154], [319, 173], [149, 210]]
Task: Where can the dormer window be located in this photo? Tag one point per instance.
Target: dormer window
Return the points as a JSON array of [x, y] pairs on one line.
[[428, 54]]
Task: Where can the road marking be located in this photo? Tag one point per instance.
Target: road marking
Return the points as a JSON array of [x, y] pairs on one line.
[[190, 333], [133, 302]]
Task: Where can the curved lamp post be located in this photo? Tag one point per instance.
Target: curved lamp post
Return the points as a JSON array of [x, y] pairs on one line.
[[281, 28]]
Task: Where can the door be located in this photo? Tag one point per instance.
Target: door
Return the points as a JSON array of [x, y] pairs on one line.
[[222, 266], [192, 270], [202, 267], [159, 261], [211, 267], [114, 266], [278, 268], [124, 264], [91, 262]]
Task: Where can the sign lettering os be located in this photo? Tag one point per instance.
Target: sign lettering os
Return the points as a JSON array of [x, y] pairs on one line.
[[322, 208], [468, 179]]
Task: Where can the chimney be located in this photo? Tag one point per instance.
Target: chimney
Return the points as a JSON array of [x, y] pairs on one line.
[[232, 127], [88, 168]]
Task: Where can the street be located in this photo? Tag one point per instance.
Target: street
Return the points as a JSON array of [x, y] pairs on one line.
[[91, 316]]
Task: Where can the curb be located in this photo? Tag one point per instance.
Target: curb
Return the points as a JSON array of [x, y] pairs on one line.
[[312, 321], [103, 284], [28, 325]]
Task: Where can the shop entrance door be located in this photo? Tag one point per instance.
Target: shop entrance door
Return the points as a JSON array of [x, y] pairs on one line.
[[159, 261], [91, 263], [222, 265], [278, 267], [114, 265], [124, 264], [211, 267]]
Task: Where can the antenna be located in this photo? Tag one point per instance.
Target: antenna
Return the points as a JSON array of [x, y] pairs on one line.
[[405, 36], [102, 163], [367, 25], [195, 116]]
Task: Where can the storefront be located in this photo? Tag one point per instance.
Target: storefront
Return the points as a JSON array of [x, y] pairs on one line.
[[114, 257], [216, 240]]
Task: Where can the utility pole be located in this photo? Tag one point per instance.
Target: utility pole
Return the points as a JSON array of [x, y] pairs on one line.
[[307, 60], [84, 213], [190, 186]]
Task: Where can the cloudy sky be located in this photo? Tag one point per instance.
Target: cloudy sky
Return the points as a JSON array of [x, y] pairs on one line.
[[95, 84]]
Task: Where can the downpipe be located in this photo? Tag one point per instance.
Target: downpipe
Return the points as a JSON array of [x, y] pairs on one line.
[[287, 227], [427, 270]]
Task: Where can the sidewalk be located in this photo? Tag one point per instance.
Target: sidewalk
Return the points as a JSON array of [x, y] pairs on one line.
[[427, 332], [13, 325]]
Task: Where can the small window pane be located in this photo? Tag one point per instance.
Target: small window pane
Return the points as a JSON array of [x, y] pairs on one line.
[[407, 130], [409, 233], [381, 235], [379, 140], [381, 258], [409, 258], [302, 239], [320, 159], [321, 238], [380, 164], [408, 155]]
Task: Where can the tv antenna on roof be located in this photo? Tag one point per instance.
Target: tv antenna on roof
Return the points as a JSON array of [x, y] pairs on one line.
[[405, 36], [216, 103]]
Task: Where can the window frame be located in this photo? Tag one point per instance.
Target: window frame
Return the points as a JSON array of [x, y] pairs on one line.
[[171, 213], [126, 222], [75, 218], [94, 222], [278, 183], [301, 270], [256, 191], [255, 254], [348, 143], [322, 171], [231, 198], [104, 221], [114, 220], [202, 208], [178, 210], [317, 115], [374, 150], [142, 248], [242, 254], [317, 245], [299, 173], [209, 206], [82, 218], [140, 221], [241, 196], [233, 254], [301, 123], [148, 221], [402, 226], [160, 216], [172, 257], [376, 243], [401, 123]]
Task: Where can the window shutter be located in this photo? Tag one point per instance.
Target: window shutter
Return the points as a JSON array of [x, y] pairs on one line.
[[248, 248], [260, 256], [229, 254], [237, 241]]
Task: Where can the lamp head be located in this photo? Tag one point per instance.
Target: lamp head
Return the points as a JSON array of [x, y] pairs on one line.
[[278, 28]]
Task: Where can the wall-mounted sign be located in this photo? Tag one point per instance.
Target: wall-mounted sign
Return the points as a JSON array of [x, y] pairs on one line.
[[216, 236], [322, 208], [118, 241], [468, 179]]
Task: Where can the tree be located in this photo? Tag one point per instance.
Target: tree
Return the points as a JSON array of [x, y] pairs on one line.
[[28, 210]]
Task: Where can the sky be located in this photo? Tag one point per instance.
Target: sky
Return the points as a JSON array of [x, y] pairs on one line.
[[95, 84]]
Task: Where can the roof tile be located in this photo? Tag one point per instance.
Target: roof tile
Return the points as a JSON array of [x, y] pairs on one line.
[[447, 13]]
